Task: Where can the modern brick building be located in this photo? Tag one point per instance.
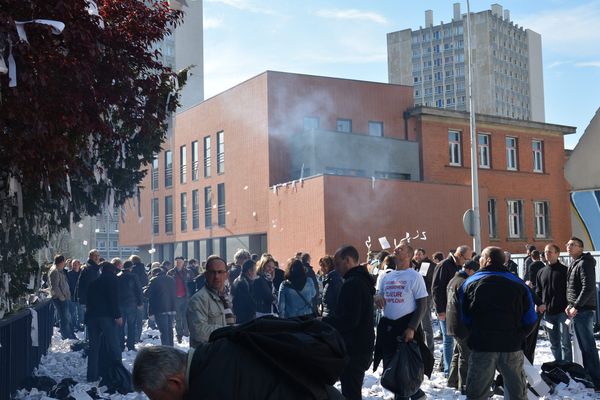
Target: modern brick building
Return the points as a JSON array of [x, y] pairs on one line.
[[287, 162]]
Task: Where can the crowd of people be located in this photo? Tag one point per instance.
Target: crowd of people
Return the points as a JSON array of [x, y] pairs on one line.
[[487, 314]]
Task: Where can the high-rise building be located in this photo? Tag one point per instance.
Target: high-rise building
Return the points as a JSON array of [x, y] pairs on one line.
[[507, 64]]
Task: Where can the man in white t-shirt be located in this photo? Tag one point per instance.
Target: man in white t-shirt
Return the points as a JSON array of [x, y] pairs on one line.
[[403, 297]]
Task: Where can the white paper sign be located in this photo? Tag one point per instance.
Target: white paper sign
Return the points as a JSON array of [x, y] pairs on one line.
[[424, 268], [548, 325], [384, 243]]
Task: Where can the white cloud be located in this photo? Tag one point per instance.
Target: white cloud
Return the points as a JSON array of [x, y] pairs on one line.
[[211, 23], [588, 64], [244, 5], [556, 64], [353, 15]]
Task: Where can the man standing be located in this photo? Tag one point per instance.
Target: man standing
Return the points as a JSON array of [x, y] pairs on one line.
[[239, 258], [512, 266], [130, 301], [180, 274], [442, 275], [353, 319], [90, 273], [210, 308], [61, 296], [532, 270], [161, 303], [551, 288], [581, 299], [142, 313], [422, 264], [74, 306], [498, 310]]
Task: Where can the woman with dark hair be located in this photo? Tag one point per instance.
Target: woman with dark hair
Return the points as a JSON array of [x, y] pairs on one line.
[[242, 290], [295, 295], [332, 282], [264, 291]]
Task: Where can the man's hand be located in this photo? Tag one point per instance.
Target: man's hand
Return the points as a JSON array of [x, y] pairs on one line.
[[409, 334], [442, 316], [379, 301], [571, 312], [119, 321], [541, 308]]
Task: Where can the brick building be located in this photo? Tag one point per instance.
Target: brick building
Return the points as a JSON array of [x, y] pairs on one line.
[[287, 162]]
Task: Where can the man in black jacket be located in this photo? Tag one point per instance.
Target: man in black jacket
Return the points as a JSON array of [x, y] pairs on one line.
[[130, 301], [140, 271], [161, 303], [532, 270], [497, 308], [581, 299], [89, 273], [422, 264], [353, 318]]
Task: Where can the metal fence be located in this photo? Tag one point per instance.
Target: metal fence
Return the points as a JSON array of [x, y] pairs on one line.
[[18, 357]]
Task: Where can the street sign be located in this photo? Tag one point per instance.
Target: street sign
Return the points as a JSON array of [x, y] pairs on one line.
[[469, 222]]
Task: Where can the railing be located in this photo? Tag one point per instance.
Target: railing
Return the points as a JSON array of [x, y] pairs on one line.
[[18, 357]]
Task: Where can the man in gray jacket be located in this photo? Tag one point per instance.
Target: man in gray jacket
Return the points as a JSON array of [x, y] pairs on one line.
[[61, 295]]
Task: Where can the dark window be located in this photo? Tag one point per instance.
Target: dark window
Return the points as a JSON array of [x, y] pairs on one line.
[[168, 168], [492, 218], [169, 214], [155, 216], [195, 210], [183, 212], [221, 204], [207, 207]]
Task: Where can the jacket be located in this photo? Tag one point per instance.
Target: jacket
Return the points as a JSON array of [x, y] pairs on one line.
[[532, 270], [581, 283], [278, 278], [497, 309], [234, 272], [264, 295], [512, 267], [454, 324], [130, 291], [290, 303], [72, 278], [89, 273], [443, 273], [205, 314], [551, 288], [185, 276], [161, 295], [59, 285], [244, 305], [331, 292], [103, 297], [353, 317], [140, 271]]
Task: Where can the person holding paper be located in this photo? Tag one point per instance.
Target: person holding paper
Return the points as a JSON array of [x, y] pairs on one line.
[[422, 264]]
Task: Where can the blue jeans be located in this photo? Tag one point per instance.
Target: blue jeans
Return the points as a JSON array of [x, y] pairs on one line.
[[559, 336], [102, 330], [165, 326], [583, 325], [76, 314], [64, 318], [447, 348], [129, 327]]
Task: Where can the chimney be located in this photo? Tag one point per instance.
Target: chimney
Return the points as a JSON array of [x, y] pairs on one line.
[[497, 10], [506, 15], [428, 18], [456, 12]]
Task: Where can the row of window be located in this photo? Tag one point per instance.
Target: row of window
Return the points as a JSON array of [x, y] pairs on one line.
[[343, 125], [516, 229], [437, 34], [168, 159], [208, 207], [485, 155]]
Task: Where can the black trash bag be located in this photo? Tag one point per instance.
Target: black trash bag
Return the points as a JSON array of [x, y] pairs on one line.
[[42, 383], [62, 390], [80, 345], [575, 371], [405, 373]]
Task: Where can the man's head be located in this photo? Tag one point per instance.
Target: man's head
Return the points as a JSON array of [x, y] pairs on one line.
[[179, 263], [305, 258], [117, 262], [419, 255], [575, 247], [193, 263], [345, 258], [249, 269], [507, 256], [94, 255], [159, 372], [530, 249], [471, 267], [135, 259], [59, 261], [552, 253], [403, 253], [108, 268], [216, 273], [491, 257], [535, 255], [462, 254], [128, 265], [438, 256], [75, 265], [240, 256]]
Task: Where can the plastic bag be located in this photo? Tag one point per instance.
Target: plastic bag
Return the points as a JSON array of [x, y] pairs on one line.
[[404, 375]]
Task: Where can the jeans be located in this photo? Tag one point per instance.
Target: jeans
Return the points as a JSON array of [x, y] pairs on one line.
[[482, 367], [165, 326], [76, 310], [353, 375], [129, 327], [102, 331], [447, 348], [64, 318], [583, 325], [180, 317], [460, 364], [427, 325], [559, 336]]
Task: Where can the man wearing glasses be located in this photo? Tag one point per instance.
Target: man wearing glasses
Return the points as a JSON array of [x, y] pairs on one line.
[[581, 299], [210, 308]]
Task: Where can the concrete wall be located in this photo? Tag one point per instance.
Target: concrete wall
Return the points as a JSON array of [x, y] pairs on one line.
[[536, 76], [400, 57]]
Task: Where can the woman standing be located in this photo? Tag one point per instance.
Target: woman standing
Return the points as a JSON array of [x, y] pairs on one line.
[[264, 291], [332, 284], [295, 294]]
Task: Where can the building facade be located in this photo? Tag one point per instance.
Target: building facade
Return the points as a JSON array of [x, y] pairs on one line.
[[287, 162], [507, 64]]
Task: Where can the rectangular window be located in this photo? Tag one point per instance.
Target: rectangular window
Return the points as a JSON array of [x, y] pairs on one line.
[[483, 145], [344, 125], [182, 164], [540, 209], [492, 218], [207, 162], [515, 218], [168, 168], [195, 210], [207, 207], [311, 123], [183, 212], [375, 128], [154, 173], [511, 153], [155, 216], [169, 214], [455, 148], [221, 204], [220, 152], [538, 155], [195, 160]]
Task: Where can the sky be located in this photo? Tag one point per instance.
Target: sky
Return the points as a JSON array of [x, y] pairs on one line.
[[347, 39]]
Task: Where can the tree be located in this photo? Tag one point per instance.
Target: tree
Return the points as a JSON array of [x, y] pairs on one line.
[[89, 111]]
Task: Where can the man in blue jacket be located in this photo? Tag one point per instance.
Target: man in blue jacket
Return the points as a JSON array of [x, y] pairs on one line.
[[497, 308]]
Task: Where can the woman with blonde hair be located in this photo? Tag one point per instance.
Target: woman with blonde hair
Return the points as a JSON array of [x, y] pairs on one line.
[[264, 291]]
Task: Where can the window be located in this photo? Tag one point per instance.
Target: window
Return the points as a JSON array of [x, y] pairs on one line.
[[207, 207], [515, 218], [195, 160], [311, 123], [220, 152], [492, 218], [483, 145], [183, 205], [511, 153], [168, 168], [207, 156], [221, 204], [155, 216], [182, 164], [195, 210], [344, 125], [538, 156], [540, 208], [375, 128], [455, 148], [154, 183], [169, 214]]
